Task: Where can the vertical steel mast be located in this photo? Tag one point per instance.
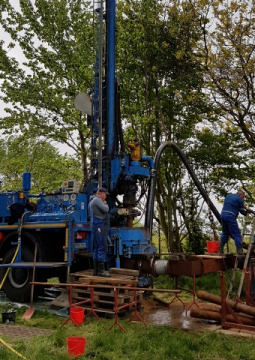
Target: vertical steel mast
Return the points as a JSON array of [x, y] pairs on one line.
[[104, 92], [110, 76], [98, 140]]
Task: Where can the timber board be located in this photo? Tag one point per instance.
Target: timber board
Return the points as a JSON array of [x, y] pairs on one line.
[[86, 276]]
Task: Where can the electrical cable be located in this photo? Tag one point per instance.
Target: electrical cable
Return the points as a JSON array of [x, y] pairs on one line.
[[5, 276], [10, 348], [17, 249]]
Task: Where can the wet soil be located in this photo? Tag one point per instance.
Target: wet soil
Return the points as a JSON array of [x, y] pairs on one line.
[[176, 316]]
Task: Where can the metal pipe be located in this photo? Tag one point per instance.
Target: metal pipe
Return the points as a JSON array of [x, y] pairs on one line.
[[216, 316], [110, 78], [106, 287], [203, 295], [210, 307], [100, 115]]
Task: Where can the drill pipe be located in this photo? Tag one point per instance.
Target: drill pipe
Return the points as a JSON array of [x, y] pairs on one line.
[[203, 295], [216, 316], [217, 309], [209, 307]]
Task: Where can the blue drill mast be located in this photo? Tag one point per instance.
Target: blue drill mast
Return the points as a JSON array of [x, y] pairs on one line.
[[60, 223]]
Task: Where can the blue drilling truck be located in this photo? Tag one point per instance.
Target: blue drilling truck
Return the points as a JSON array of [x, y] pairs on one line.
[[59, 223], [56, 235]]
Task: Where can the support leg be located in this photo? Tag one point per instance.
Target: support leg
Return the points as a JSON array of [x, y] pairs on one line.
[[176, 297]]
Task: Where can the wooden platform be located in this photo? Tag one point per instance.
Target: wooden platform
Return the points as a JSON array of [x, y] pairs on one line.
[[103, 298], [86, 276]]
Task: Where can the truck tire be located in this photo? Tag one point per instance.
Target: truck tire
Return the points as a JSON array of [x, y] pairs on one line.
[[17, 283]]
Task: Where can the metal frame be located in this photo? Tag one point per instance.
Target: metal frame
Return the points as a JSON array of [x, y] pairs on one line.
[[226, 309]]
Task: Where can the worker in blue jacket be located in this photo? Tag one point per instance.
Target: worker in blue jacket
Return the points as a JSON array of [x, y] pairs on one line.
[[233, 205], [99, 210]]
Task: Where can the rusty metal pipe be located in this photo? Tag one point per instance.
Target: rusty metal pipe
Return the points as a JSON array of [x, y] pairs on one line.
[[203, 295], [216, 316], [217, 308], [97, 285], [209, 307]]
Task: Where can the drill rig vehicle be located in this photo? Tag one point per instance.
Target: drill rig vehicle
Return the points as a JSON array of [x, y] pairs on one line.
[[60, 223]]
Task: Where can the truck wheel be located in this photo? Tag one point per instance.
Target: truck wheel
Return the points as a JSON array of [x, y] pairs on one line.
[[17, 283]]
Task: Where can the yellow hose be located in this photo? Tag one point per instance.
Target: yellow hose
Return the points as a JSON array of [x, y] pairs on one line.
[[16, 252], [10, 348], [7, 272], [5, 276]]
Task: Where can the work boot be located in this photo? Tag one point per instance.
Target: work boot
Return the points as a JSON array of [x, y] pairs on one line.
[[95, 268], [222, 247], [101, 270], [240, 257], [239, 251], [245, 246]]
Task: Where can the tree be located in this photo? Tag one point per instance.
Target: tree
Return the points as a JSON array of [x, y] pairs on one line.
[[163, 99], [49, 168], [56, 38], [229, 67]]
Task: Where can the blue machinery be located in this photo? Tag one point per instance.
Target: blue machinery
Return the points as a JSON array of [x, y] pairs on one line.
[[60, 225]]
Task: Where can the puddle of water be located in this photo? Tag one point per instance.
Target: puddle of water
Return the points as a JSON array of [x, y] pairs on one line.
[[163, 316], [175, 317]]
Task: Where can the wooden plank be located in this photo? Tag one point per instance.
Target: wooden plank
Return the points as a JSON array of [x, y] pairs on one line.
[[104, 302], [108, 281], [118, 273], [86, 293], [114, 276], [129, 272]]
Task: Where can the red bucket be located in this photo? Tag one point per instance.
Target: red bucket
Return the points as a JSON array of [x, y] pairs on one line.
[[77, 314], [212, 246], [76, 346]]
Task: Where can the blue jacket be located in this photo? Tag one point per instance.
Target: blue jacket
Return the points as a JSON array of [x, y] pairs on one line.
[[234, 204]]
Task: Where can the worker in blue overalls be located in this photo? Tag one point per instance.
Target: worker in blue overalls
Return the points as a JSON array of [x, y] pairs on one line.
[[233, 205], [99, 209]]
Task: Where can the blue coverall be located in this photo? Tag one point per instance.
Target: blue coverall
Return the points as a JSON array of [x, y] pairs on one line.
[[99, 211], [99, 239], [233, 204]]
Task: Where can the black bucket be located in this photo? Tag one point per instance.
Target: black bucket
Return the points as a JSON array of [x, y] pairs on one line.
[[8, 316]]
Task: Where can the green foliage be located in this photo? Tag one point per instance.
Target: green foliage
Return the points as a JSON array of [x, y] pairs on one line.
[[162, 95], [56, 39], [229, 69], [173, 88], [48, 167]]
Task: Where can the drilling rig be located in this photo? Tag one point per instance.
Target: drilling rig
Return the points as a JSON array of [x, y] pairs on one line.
[[60, 225]]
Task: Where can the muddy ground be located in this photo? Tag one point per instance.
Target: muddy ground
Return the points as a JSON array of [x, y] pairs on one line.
[[157, 313]]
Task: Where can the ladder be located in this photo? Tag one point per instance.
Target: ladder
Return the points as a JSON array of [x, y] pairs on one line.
[[247, 255]]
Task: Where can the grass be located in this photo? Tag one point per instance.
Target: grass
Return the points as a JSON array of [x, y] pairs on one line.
[[209, 282], [140, 342]]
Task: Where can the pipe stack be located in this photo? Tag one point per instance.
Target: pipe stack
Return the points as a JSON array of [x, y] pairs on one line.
[[212, 311]]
